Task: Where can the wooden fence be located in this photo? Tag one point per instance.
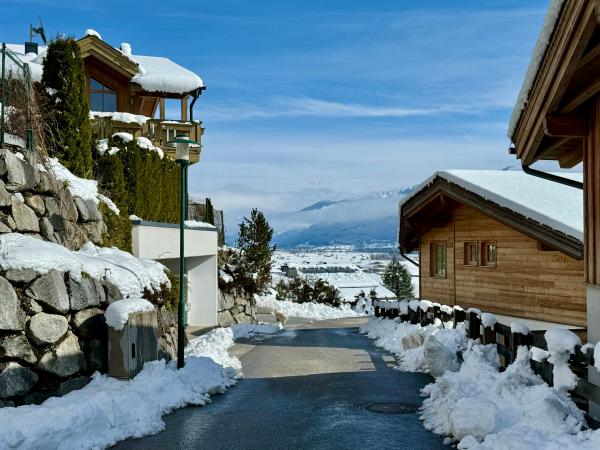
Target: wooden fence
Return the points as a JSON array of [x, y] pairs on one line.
[[581, 362]]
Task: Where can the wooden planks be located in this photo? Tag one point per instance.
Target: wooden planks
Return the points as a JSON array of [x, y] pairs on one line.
[[526, 282]]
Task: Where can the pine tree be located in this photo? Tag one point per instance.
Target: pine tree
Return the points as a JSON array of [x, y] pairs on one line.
[[64, 78], [254, 244], [398, 280]]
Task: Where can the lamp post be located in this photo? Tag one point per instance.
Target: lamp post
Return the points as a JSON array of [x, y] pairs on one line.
[[182, 146]]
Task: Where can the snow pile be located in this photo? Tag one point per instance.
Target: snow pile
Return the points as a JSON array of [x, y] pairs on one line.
[[364, 307], [121, 117], [418, 349], [108, 410], [561, 344], [314, 311], [518, 327], [80, 187], [118, 312], [197, 224], [248, 330], [488, 320], [485, 409], [130, 274]]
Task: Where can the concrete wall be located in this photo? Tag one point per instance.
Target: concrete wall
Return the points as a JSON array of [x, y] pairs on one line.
[[161, 242]]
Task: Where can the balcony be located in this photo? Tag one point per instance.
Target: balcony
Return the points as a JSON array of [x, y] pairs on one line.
[[158, 131]]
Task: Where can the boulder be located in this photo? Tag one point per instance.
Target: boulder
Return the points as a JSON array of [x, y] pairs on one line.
[[226, 300], [15, 171], [51, 291], [47, 184], [112, 292], [96, 352], [15, 380], [242, 318], [45, 329], [4, 228], [20, 275], [85, 293], [32, 175], [31, 307], [167, 348], [73, 236], [72, 384], [17, 347], [66, 359], [90, 324], [36, 203], [4, 195], [88, 210], [24, 217], [66, 205], [46, 229], [225, 319], [12, 316], [95, 231], [53, 212]]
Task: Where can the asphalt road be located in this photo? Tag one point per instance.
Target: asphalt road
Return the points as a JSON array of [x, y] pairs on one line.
[[308, 387]]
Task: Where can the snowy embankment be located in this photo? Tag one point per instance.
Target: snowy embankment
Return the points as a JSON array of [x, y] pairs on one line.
[[109, 410], [472, 402], [313, 311]]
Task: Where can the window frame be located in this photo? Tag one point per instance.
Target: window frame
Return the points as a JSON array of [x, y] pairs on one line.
[[106, 90], [433, 273], [467, 261], [485, 261]]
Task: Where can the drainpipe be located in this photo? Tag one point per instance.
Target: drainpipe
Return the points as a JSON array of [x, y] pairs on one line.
[[551, 177], [197, 94], [408, 259]]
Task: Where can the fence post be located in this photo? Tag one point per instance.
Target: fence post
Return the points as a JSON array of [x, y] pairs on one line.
[[459, 316], [474, 325], [516, 340], [489, 335]]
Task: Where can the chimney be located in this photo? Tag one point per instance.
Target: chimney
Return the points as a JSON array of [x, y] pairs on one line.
[[31, 47]]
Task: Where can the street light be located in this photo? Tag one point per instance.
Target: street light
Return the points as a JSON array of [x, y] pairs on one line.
[[182, 146]]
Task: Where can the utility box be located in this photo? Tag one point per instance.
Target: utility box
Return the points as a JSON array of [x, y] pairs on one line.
[[132, 346]]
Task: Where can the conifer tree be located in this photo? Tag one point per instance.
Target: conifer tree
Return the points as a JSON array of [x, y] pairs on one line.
[[64, 79], [398, 280], [254, 244]]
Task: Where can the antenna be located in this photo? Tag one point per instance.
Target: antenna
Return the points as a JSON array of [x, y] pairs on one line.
[[37, 31]]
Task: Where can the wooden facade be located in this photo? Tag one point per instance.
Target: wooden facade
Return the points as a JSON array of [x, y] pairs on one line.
[[526, 280], [496, 260]]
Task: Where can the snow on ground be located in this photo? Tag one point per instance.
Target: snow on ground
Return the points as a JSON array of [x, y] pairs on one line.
[[476, 405], [130, 274], [109, 410], [313, 311]]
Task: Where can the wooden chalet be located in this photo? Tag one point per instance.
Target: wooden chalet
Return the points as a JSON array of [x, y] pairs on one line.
[[483, 244], [127, 92], [557, 117]]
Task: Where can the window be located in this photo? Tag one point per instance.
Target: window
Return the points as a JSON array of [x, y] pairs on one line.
[[438, 259], [488, 253], [102, 98], [471, 253]]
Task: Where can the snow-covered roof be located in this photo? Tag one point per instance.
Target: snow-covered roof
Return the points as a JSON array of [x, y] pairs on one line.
[[534, 64], [554, 205], [155, 73]]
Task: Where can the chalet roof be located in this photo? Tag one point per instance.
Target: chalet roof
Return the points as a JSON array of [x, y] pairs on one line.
[[535, 63], [152, 73], [527, 202]]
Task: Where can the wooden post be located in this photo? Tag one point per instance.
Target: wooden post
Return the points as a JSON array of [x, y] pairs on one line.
[[459, 316], [489, 335], [184, 108], [474, 326], [161, 104], [516, 340]]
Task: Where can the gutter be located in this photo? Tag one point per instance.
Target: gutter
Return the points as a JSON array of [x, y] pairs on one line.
[[552, 177], [408, 259], [197, 94]]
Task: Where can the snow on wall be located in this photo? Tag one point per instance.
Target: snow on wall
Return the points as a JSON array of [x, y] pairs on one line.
[[534, 64], [555, 205]]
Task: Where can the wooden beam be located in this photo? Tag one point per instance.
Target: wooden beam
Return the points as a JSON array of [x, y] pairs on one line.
[[565, 126], [571, 158]]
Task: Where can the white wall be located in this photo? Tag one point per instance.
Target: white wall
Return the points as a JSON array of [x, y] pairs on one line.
[[161, 243]]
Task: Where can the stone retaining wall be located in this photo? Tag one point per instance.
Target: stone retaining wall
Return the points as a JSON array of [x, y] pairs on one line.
[[235, 306]]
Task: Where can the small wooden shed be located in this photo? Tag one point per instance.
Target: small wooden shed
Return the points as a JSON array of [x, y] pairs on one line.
[[500, 241]]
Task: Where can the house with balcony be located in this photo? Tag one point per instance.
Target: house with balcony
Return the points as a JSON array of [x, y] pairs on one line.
[[128, 92]]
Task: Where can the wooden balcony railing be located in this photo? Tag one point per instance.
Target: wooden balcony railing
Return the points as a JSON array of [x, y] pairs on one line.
[[158, 131]]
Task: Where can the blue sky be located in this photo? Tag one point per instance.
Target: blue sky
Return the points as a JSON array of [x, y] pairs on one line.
[[324, 99]]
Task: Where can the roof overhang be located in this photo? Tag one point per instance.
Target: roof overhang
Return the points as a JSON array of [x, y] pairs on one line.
[[433, 206], [553, 122], [93, 46]]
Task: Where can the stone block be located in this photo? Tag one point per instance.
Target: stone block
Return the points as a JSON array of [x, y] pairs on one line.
[[17, 347], [50, 290], [23, 276], [15, 380], [85, 293], [65, 360], [12, 316], [46, 329], [36, 203], [15, 172], [24, 217], [90, 324]]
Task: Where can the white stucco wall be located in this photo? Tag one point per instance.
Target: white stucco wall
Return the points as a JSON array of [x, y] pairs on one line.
[[161, 243]]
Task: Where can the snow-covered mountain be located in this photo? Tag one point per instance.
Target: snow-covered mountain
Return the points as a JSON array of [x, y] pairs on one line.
[[369, 219]]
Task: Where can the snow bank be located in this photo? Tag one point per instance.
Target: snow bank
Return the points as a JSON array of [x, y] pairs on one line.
[[248, 330], [561, 344], [130, 274], [108, 410], [118, 312], [314, 311], [485, 409], [80, 187]]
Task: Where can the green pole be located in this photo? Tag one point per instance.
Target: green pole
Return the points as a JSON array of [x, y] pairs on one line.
[[181, 309]]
